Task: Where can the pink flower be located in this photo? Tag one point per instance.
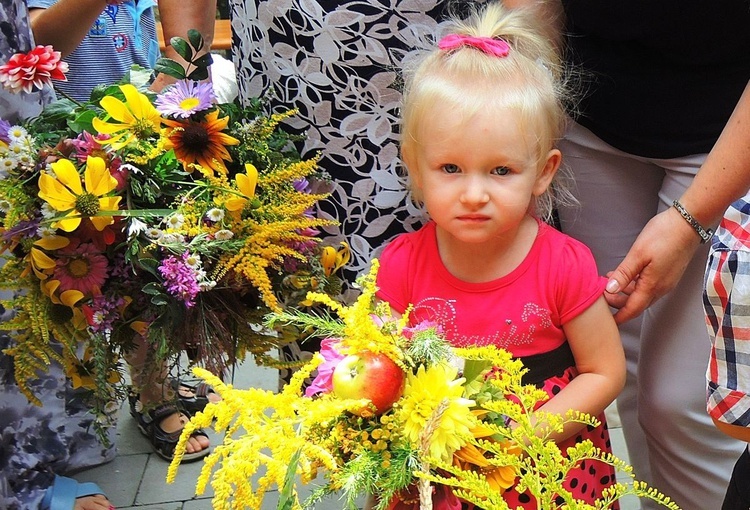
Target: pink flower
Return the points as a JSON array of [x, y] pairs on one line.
[[89, 145], [323, 382], [80, 267], [409, 332], [33, 70]]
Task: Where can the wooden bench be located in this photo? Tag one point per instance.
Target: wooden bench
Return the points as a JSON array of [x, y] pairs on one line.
[[222, 35]]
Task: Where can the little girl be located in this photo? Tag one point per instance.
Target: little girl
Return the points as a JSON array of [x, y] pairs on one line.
[[481, 115]]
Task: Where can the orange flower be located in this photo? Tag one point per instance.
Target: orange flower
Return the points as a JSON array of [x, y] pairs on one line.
[[201, 142]]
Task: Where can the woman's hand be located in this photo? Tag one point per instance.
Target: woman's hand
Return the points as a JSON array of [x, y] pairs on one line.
[[653, 266]]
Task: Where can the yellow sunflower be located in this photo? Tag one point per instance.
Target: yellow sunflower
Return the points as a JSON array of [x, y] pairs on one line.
[[64, 193], [423, 393], [246, 185], [137, 118], [202, 142]]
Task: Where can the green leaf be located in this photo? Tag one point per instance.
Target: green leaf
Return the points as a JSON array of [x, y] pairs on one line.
[[196, 40], [170, 68], [198, 74], [150, 265], [84, 121], [159, 300], [182, 48], [152, 289], [474, 369], [286, 496]]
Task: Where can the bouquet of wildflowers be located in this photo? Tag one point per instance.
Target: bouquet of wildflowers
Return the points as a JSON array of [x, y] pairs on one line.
[[390, 414], [161, 216]]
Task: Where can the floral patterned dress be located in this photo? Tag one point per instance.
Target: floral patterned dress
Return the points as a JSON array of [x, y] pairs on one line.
[[37, 443], [337, 62]]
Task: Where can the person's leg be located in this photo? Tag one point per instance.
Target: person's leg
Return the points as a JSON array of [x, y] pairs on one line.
[[150, 381], [738, 492], [691, 461], [617, 195]]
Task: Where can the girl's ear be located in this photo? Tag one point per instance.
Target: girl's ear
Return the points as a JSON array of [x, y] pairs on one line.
[[407, 156], [544, 179]]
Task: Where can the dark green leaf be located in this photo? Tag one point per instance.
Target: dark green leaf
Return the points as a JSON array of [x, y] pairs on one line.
[[159, 300], [170, 68], [152, 289], [198, 74], [196, 40], [182, 48], [150, 265]]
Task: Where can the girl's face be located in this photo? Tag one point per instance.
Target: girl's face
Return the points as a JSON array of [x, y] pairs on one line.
[[478, 177]]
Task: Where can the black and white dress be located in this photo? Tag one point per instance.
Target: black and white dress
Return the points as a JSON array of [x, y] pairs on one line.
[[337, 62]]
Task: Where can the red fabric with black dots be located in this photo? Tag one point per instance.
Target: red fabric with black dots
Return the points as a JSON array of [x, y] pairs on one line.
[[587, 480]]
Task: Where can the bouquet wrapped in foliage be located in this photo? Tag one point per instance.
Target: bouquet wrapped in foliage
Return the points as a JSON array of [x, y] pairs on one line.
[[390, 414], [163, 218]]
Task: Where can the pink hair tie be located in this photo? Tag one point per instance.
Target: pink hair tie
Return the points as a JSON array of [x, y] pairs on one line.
[[488, 45]]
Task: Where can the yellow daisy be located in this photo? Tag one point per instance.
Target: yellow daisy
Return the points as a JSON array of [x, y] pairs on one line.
[[423, 394], [64, 193], [137, 118]]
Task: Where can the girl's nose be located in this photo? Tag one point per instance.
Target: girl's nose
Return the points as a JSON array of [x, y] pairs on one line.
[[474, 192]]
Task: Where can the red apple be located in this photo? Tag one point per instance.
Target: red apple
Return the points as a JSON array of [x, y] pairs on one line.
[[372, 376]]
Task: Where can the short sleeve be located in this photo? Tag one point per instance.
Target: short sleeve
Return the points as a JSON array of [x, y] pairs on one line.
[[579, 284], [726, 301], [42, 4], [392, 281]]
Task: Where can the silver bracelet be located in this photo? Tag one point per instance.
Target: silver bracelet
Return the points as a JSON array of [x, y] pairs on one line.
[[705, 234]]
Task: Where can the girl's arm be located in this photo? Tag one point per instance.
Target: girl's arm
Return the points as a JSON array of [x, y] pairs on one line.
[[65, 24], [595, 341]]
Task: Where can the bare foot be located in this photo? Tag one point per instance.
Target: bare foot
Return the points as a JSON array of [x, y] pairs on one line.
[[97, 502], [177, 421]]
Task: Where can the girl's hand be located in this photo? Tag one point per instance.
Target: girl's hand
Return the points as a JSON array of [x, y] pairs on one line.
[[653, 266]]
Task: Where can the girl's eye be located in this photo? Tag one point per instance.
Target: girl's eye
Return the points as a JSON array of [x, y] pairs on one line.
[[450, 168], [501, 170]]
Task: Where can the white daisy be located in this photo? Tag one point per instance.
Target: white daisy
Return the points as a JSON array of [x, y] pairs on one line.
[[17, 133], [154, 233], [223, 235], [193, 261], [45, 231], [47, 211], [215, 214], [175, 221]]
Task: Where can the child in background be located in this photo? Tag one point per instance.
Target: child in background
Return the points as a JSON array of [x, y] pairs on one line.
[[108, 39], [481, 115], [727, 304]]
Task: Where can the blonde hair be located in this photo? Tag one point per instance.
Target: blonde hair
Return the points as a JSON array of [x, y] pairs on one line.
[[529, 79]]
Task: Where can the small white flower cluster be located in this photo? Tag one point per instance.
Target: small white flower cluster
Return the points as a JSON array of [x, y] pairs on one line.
[[193, 261], [18, 152]]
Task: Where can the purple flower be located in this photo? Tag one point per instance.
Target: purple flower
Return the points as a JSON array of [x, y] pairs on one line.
[[185, 98], [103, 312], [302, 185], [180, 279], [4, 127]]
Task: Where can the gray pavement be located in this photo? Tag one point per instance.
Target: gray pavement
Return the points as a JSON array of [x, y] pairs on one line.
[[136, 479]]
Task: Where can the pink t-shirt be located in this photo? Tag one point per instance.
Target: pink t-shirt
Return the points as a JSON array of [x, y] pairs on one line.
[[522, 312]]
